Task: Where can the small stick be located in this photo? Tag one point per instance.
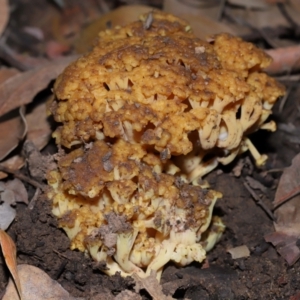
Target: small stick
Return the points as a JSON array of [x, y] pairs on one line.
[[60, 255], [60, 269], [259, 202], [287, 197], [22, 177], [34, 199], [284, 99], [148, 21]]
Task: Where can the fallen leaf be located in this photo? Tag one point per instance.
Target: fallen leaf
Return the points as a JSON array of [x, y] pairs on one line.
[[6, 73], [295, 297], [210, 9], [7, 213], [56, 49], [4, 16], [13, 163], [19, 190], [151, 285], [128, 295], [256, 185], [35, 161], [287, 213], [21, 88], [253, 4], [203, 18], [15, 123], [38, 131], [35, 32], [204, 27], [9, 253], [270, 17], [239, 252], [117, 17], [36, 285], [10, 192], [289, 184], [285, 60]]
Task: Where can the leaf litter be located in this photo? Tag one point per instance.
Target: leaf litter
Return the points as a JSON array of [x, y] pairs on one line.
[[287, 213], [36, 285], [23, 85], [11, 192], [10, 256]]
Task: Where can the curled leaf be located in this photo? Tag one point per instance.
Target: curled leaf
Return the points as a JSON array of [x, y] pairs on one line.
[[39, 133], [36, 285], [15, 123], [21, 88], [10, 192], [9, 252], [287, 213], [4, 15]]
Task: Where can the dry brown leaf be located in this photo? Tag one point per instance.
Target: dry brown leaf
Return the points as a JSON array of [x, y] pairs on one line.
[[6, 73], [13, 128], [19, 190], [12, 123], [11, 192], [118, 17], [202, 18], [151, 285], [13, 163], [9, 252], [258, 18], [21, 88], [39, 132], [239, 252], [36, 285], [287, 225], [4, 15], [209, 9], [128, 295], [285, 59], [204, 27], [253, 4]]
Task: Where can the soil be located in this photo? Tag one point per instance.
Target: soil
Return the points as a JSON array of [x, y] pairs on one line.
[[262, 275]]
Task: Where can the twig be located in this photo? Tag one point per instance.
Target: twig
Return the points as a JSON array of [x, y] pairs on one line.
[[8, 55], [222, 8], [60, 255], [260, 31], [148, 21], [294, 25], [60, 269], [278, 32], [287, 197], [34, 198], [23, 177], [285, 59], [259, 202], [285, 97], [274, 170]]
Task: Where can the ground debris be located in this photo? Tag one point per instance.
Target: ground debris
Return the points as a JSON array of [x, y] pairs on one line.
[[239, 252], [10, 192], [151, 285], [128, 295], [37, 163], [287, 213], [36, 284]]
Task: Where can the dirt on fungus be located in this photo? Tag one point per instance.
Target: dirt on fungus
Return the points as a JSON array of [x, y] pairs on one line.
[[262, 275]]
